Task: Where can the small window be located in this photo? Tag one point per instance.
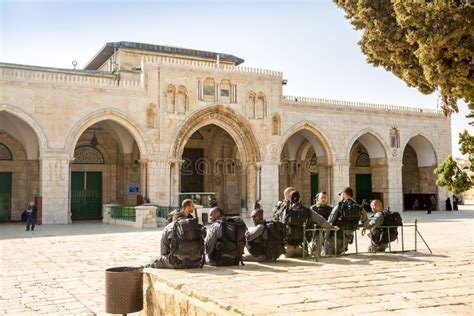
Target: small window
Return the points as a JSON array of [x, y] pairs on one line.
[[225, 88], [5, 153], [88, 155], [363, 160], [209, 87]]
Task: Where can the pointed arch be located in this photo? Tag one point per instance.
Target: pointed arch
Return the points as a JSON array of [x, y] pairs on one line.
[[426, 150], [315, 136], [33, 149], [226, 118], [372, 141], [113, 115]]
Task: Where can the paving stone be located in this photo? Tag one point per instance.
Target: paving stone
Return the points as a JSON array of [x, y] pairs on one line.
[[64, 274]]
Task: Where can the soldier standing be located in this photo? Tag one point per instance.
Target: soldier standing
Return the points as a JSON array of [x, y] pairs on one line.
[[373, 224]]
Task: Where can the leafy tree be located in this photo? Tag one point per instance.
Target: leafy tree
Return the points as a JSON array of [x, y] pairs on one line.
[[429, 44], [450, 173]]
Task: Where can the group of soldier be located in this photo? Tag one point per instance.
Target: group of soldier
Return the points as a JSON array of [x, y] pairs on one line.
[[187, 244]]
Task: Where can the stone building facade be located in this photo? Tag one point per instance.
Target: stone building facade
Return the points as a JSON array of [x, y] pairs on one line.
[[157, 120]]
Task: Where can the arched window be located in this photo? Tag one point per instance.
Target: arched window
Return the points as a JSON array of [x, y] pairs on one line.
[[260, 106], [5, 153], [251, 105], [88, 155], [276, 125], [225, 89], [363, 160], [170, 99], [182, 100], [209, 89]]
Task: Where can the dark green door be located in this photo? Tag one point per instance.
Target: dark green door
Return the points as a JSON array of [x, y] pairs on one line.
[[363, 187], [86, 195], [5, 195], [314, 187]]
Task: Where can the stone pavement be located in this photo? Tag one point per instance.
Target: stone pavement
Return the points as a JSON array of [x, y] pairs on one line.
[[59, 269]]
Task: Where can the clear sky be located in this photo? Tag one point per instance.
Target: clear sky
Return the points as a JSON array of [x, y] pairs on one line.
[[310, 41]]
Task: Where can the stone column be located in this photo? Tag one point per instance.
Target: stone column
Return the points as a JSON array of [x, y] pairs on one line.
[[251, 171], [174, 167], [270, 187], [340, 178], [395, 185], [143, 177], [55, 188], [159, 181]]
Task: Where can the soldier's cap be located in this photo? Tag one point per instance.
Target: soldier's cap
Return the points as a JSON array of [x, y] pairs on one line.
[[348, 191]]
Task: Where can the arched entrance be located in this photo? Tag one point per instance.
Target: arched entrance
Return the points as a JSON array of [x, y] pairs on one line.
[[215, 150], [211, 163], [368, 171], [107, 167], [305, 162], [418, 177], [19, 166]]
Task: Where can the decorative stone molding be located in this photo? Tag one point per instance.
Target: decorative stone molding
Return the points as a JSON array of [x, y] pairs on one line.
[[65, 76], [211, 66], [295, 100]]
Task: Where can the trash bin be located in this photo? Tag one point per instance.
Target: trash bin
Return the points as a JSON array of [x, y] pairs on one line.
[[123, 290]]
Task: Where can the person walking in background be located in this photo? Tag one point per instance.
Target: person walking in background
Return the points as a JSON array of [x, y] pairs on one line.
[[448, 204], [31, 217]]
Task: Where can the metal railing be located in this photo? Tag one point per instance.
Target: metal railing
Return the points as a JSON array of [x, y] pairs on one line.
[[318, 235], [163, 211], [124, 213]]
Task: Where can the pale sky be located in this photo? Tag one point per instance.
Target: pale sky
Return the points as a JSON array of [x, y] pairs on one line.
[[310, 41]]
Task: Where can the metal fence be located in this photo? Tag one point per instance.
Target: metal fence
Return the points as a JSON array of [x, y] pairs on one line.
[[313, 238], [124, 213], [163, 211]]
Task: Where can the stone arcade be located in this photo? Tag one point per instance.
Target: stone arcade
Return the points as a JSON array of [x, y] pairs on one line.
[[162, 120]]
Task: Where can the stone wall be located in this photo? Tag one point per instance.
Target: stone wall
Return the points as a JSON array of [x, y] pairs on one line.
[[139, 102], [25, 175]]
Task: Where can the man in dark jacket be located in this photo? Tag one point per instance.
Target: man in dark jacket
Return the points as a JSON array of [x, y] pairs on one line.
[[167, 259], [346, 215], [31, 216]]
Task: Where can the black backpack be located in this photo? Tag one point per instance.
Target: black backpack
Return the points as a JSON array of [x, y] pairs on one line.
[[390, 219], [295, 217], [275, 243], [348, 216], [230, 247], [187, 244]]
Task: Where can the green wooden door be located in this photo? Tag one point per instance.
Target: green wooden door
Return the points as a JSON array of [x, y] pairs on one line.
[[314, 187], [5, 195], [86, 195], [363, 187]]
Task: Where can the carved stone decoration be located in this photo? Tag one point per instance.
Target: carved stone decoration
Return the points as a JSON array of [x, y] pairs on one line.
[[251, 105], [394, 137], [276, 125], [182, 104], [151, 115], [260, 106], [170, 99], [88, 155], [5, 153], [394, 152]]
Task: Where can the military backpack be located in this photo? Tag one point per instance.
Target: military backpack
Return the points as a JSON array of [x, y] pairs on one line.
[[230, 247], [348, 216], [390, 219], [295, 217], [187, 243]]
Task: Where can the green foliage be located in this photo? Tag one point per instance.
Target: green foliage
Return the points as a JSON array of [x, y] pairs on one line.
[[429, 44], [451, 175], [466, 143]]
